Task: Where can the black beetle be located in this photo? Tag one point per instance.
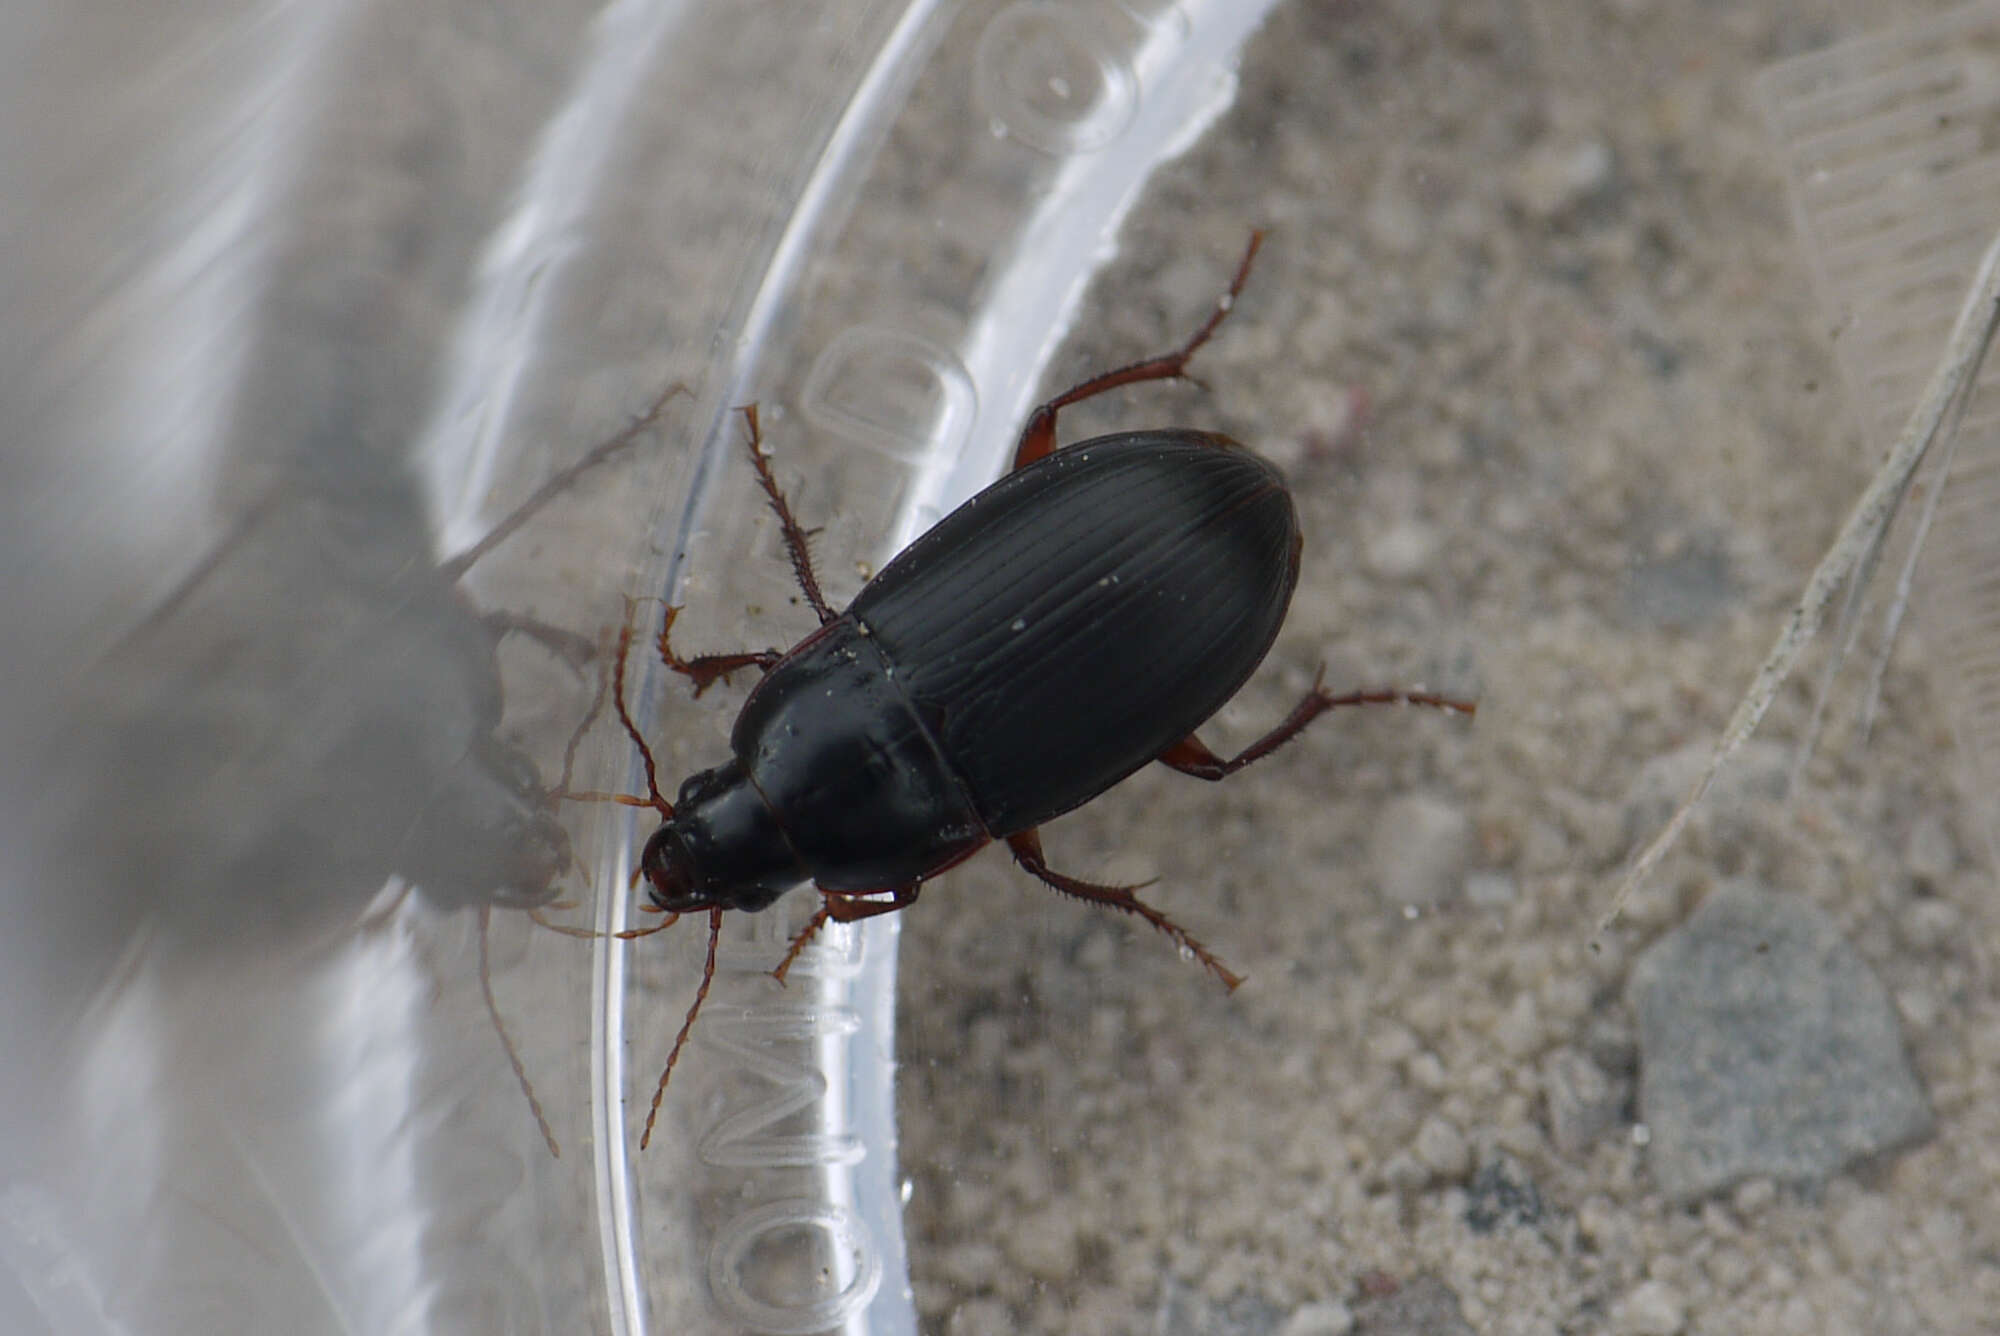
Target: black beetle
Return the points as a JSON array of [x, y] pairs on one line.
[[1076, 620]]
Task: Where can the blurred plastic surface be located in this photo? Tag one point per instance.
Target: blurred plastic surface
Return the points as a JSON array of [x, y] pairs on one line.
[[301, 299], [1895, 186]]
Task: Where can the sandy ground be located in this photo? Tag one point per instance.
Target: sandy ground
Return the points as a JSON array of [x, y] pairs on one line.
[[1537, 345]]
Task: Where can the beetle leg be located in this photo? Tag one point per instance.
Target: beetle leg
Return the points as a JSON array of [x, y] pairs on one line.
[[1027, 847], [852, 907], [1038, 438], [1191, 757], [703, 669], [845, 907], [795, 536]]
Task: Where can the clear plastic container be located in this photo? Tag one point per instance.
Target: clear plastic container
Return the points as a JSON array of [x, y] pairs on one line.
[[305, 299]]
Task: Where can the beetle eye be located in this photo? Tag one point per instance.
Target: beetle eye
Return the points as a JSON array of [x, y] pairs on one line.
[[672, 880]]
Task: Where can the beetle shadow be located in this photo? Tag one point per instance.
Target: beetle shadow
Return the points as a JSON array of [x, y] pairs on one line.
[[312, 719]]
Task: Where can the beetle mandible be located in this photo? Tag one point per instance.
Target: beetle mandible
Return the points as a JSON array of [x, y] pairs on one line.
[[1074, 621]]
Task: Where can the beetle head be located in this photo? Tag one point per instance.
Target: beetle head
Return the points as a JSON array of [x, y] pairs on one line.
[[722, 848], [673, 881]]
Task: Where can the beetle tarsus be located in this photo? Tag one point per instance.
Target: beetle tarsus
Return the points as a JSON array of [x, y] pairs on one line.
[[796, 539], [704, 669], [1027, 848], [845, 907], [800, 939], [1038, 438]]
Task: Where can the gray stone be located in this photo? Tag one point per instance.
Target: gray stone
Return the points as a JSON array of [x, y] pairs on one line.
[[1766, 1048], [1502, 1196]]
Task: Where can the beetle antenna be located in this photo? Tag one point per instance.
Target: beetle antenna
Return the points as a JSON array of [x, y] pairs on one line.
[[634, 934], [507, 1040], [680, 1040]]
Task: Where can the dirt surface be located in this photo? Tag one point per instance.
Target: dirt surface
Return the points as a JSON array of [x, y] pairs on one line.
[[1534, 339]]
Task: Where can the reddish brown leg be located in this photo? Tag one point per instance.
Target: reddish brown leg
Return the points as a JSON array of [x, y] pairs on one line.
[[1038, 438], [507, 1040], [653, 797], [795, 536], [704, 669], [1190, 757], [845, 907], [1027, 847], [680, 1040]]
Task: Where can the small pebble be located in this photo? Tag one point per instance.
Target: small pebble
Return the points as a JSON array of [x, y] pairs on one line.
[[1929, 924], [1584, 1101], [1491, 890], [1918, 1008], [1401, 551], [1423, 1306], [1404, 1173], [1556, 177], [980, 1317], [1329, 1318], [1502, 1195], [1654, 1308], [1419, 851], [1863, 1228], [1442, 1149], [1519, 1032], [1044, 1245], [1393, 220], [1753, 1197], [1426, 1071], [1391, 1042], [1930, 854]]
